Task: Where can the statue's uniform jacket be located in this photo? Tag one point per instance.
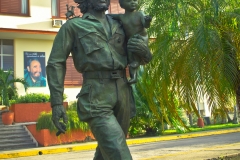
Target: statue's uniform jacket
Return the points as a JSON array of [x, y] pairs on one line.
[[106, 104]]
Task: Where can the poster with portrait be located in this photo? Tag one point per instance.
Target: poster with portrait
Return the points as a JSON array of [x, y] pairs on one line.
[[34, 69]]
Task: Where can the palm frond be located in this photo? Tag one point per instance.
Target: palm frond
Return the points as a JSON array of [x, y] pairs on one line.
[[196, 52]]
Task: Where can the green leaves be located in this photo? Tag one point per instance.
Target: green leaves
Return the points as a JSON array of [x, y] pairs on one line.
[[45, 121], [7, 88], [195, 53], [33, 98]]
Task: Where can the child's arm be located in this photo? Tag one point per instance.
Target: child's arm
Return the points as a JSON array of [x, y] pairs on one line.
[[146, 20], [115, 16]]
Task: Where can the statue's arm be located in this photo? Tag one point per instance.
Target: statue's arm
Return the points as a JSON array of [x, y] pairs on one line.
[[56, 66], [138, 46]]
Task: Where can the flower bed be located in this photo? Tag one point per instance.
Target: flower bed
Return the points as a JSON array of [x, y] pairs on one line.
[[46, 138], [29, 112]]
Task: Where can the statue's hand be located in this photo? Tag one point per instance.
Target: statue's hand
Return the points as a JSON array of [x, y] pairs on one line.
[[137, 45], [59, 112]]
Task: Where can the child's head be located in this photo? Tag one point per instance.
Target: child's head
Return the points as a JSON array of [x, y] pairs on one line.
[[130, 5]]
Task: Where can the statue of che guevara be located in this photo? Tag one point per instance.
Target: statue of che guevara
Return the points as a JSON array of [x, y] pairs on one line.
[[99, 49]]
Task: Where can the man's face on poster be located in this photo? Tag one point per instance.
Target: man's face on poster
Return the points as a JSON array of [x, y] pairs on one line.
[[35, 70]]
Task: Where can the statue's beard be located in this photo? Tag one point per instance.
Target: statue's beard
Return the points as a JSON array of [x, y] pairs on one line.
[[98, 7]]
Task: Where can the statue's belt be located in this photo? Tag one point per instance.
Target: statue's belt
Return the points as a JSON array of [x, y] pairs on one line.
[[105, 74]]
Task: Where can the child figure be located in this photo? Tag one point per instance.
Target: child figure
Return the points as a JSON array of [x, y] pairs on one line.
[[134, 23]]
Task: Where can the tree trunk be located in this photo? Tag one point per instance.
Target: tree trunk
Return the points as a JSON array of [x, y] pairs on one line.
[[235, 117], [190, 119], [229, 118], [236, 107]]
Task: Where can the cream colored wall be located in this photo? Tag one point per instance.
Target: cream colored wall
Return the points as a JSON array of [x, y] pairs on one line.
[[72, 93], [31, 45], [40, 18], [21, 45]]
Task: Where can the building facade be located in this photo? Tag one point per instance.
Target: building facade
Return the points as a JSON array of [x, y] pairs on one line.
[[27, 31]]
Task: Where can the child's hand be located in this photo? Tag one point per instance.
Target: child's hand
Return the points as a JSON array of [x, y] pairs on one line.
[[148, 18]]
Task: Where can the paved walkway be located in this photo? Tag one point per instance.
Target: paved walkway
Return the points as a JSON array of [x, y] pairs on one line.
[[92, 145]]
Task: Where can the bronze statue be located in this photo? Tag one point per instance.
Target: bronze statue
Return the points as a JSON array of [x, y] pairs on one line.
[[134, 24], [99, 49]]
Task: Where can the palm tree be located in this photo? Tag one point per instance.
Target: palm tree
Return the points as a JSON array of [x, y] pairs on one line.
[[7, 87], [196, 52], [145, 120]]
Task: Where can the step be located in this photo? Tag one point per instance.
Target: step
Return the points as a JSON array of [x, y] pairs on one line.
[[6, 140], [12, 132], [11, 127], [1, 123], [17, 146], [13, 136], [12, 142], [6, 128]]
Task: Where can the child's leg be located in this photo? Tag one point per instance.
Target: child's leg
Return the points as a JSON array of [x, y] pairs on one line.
[[133, 67]]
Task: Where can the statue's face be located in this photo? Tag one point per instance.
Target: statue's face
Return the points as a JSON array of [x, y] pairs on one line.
[[99, 5], [129, 5]]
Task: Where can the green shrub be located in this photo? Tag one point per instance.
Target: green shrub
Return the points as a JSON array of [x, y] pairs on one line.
[[72, 106], [149, 121], [45, 122], [33, 98], [64, 97], [145, 122]]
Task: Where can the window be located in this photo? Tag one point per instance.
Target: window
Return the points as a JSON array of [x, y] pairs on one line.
[[72, 77], [59, 8], [14, 7], [115, 7], [6, 54]]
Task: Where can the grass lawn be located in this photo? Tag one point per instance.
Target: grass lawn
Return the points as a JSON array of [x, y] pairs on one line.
[[205, 128]]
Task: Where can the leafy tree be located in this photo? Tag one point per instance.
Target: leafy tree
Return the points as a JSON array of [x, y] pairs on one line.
[[196, 52], [7, 88], [146, 122]]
